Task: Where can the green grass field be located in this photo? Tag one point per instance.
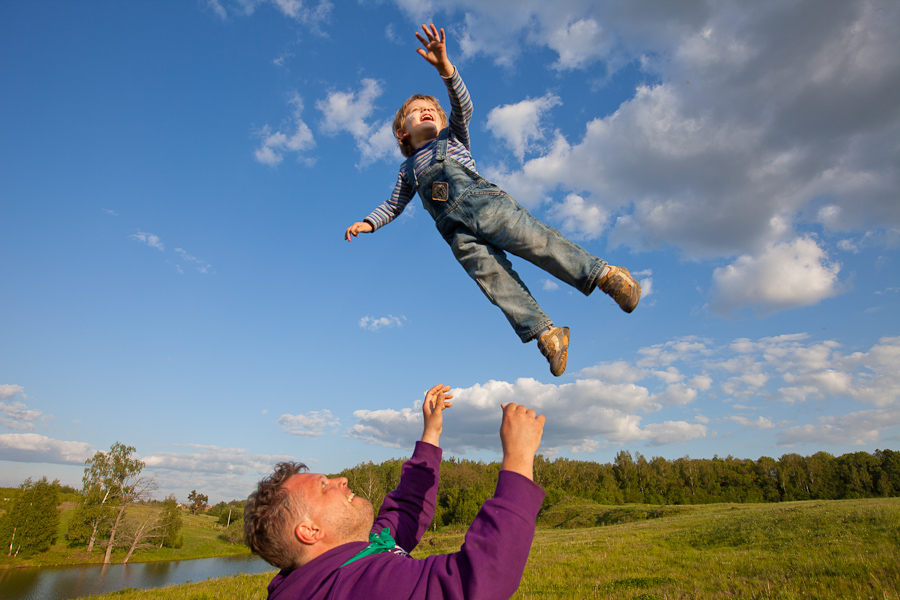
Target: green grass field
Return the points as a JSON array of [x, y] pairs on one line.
[[819, 549]]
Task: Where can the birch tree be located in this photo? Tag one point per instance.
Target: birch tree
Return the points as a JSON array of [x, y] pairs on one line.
[[29, 525], [131, 489]]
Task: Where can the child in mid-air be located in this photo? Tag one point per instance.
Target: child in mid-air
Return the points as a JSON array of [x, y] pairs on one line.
[[479, 220]]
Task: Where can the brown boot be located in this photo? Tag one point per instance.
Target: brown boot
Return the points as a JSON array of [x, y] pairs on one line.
[[623, 288], [555, 346]]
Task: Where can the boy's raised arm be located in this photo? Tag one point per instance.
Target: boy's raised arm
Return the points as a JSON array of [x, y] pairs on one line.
[[435, 50]]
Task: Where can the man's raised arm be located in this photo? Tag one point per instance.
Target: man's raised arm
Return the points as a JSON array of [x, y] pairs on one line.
[[520, 436], [409, 509]]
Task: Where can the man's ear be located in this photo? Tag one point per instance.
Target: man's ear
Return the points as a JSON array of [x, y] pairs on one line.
[[307, 532]]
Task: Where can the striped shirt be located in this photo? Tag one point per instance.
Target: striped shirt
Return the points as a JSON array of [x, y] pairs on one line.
[[457, 149]]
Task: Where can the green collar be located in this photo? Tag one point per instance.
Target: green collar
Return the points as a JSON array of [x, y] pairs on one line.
[[378, 543]]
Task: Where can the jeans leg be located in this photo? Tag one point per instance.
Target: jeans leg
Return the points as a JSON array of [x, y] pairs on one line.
[[491, 269], [507, 225]]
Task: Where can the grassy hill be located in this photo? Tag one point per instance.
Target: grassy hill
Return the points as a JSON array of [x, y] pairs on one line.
[[815, 549]]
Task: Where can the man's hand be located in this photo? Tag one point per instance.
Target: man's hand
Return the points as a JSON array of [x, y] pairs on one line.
[[357, 228], [520, 435], [435, 51], [436, 400]]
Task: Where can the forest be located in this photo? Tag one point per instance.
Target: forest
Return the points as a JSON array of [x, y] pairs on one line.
[[114, 485], [633, 479]]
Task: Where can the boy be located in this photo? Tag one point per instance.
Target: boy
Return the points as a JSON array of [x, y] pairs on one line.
[[479, 220]]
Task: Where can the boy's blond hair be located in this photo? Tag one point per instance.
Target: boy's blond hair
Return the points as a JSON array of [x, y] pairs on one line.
[[405, 147]]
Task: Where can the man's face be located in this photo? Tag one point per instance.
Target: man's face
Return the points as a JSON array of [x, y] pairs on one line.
[[331, 505], [422, 122]]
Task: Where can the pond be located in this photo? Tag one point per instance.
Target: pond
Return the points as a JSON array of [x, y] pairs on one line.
[[64, 583]]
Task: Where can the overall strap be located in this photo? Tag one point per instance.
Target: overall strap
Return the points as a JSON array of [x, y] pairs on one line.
[[440, 153], [411, 172]]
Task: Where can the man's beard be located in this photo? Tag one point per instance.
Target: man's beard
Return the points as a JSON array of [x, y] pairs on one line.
[[355, 524]]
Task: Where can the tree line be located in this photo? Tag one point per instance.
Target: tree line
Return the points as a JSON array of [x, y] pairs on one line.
[[112, 486], [633, 478], [114, 510]]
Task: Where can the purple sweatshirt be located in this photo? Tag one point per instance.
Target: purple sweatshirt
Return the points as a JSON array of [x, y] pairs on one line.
[[489, 565]]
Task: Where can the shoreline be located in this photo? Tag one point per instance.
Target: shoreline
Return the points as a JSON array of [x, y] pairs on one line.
[[142, 560]]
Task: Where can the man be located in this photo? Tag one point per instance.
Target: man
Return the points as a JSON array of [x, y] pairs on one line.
[[329, 546]]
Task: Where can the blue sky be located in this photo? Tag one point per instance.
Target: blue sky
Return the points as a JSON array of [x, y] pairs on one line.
[[177, 177]]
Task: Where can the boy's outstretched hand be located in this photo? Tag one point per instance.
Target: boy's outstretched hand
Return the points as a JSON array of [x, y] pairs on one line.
[[357, 228], [436, 400], [435, 51]]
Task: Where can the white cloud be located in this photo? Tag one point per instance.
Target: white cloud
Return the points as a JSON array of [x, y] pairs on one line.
[[677, 394], [153, 241], [673, 432], [785, 276], [681, 349], [201, 265], [579, 413], [626, 402], [742, 131], [875, 374], [220, 473], [419, 11], [577, 217], [7, 391], [758, 423], [392, 428], [646, 289], [859, 428], [670, 375], [390, 32], [215, 6], [311, 425], [299, 10], [35, 448], [350, 111], [298, 139], [148, 238], [375, 323], [212, 460], [614, 372], [549, 285], [302, 11], [701, 382], [519, 125], [16, 415], [579, 44]]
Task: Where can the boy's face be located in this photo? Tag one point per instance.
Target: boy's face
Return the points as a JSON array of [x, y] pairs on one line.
[[421, 123]]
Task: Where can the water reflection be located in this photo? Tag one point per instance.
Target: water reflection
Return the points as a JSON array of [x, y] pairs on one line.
[[64, 583]]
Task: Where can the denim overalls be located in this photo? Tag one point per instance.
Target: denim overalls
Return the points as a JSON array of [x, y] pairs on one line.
[[480, 221]]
